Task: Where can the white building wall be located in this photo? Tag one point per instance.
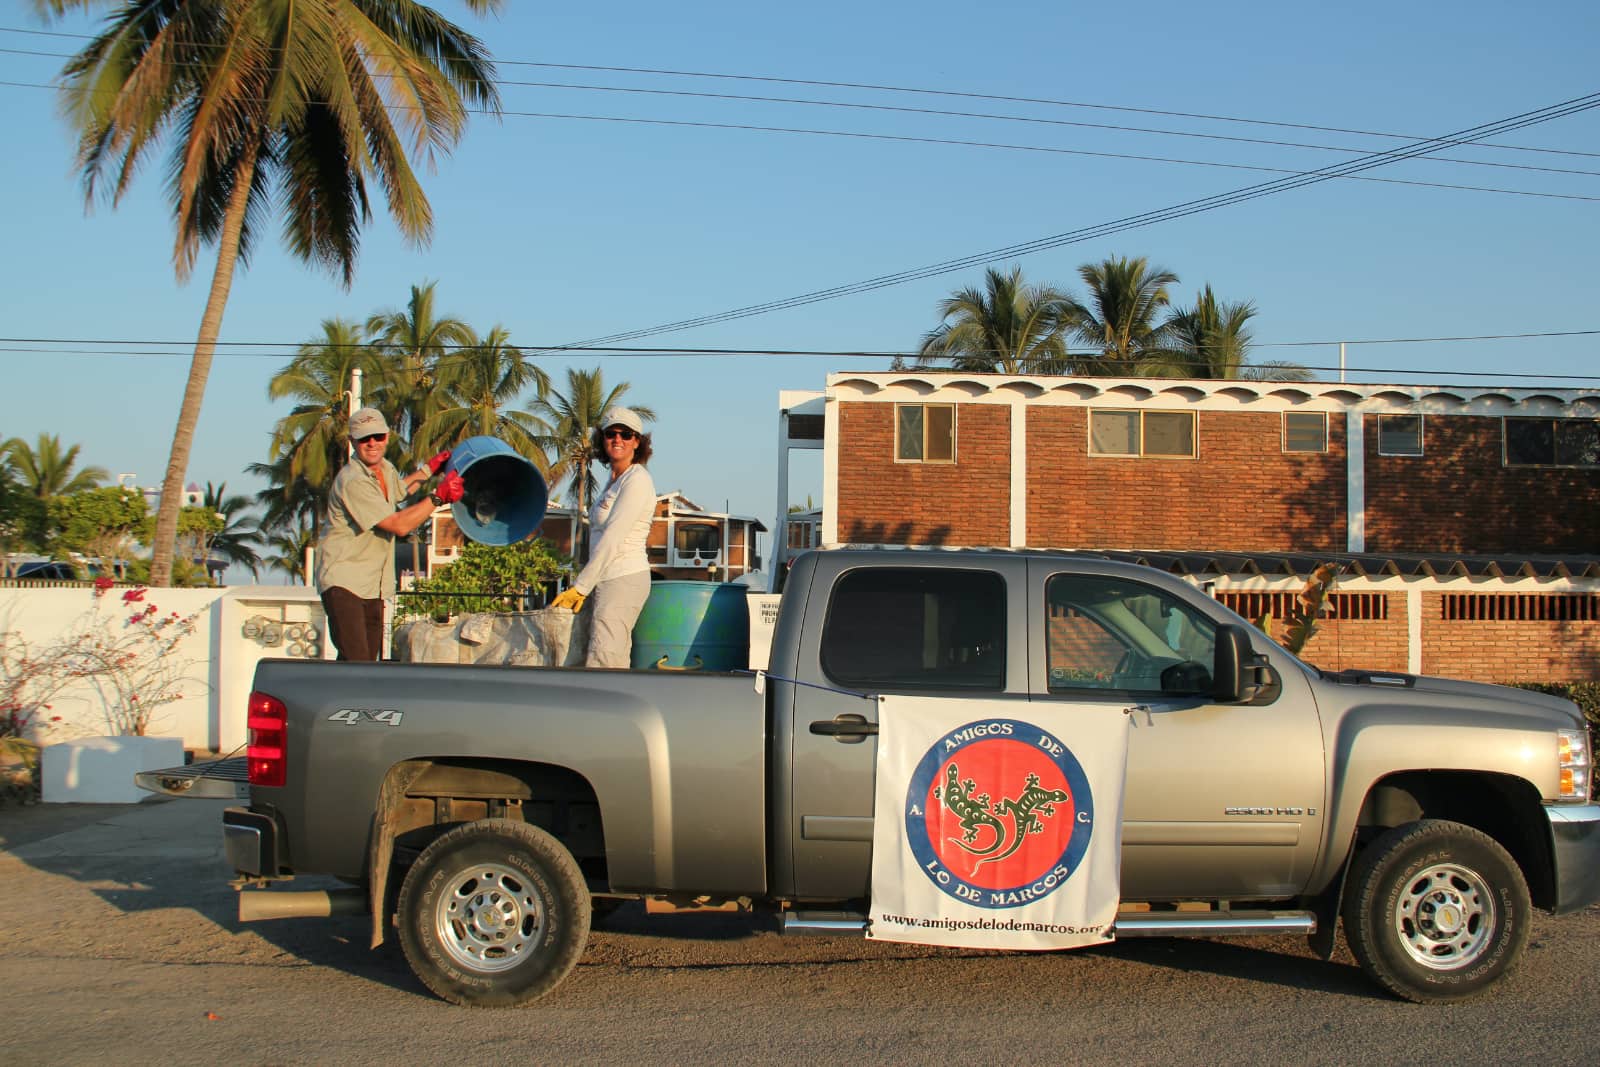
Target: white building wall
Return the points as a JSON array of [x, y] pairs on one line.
[[215, 663]]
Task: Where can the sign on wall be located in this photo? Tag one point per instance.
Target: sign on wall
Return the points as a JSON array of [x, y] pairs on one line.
[[998, 824]]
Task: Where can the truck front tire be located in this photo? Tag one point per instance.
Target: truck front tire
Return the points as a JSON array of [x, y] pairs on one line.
[[493, 913], [1436, 911]]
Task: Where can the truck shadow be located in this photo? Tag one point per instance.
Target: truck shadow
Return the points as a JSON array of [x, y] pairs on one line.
[[1282, 962], [631, 918], [171, 879]]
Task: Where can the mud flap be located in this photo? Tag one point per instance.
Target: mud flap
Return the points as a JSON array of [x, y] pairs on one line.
[[1325, 906], [381, 852]]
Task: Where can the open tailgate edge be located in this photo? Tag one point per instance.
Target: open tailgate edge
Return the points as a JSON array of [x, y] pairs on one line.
[[222, 779]]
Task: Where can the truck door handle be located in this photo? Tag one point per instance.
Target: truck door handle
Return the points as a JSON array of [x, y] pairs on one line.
[[849, 729]]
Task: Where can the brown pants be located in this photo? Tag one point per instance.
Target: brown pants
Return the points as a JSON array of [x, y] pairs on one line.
[[355, 624]]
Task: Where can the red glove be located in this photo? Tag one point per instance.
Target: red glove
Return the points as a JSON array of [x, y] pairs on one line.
[[451, 489], [436, 464]]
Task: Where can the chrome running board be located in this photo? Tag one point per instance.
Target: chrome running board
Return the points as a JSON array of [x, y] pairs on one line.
[[1129, 923], [1213, 923]]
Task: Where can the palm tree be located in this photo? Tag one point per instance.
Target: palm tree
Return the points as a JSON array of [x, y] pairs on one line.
[[1119, 320], [414, 344], [312, 435], [1007, 327], [46, 470], [297, 102], [288, 502], [572, 419], [1212, 340], [476, 384], [287, 552], [1277, 370], [240, 535]]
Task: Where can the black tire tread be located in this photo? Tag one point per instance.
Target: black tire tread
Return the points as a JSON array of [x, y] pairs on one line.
[[1363, 886], [567, 881]]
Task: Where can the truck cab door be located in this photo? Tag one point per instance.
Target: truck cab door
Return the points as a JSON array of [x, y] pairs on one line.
[[1222, 801], [917, 626]]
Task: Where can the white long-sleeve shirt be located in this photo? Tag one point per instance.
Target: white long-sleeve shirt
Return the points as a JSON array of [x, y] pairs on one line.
[[619, 524]]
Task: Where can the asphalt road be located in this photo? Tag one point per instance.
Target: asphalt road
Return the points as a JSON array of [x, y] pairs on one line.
[[120, 944]]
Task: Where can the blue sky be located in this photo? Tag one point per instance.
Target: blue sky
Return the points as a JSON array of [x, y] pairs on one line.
[[564, 230]]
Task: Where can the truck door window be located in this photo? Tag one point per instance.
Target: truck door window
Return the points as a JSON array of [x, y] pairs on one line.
[[1111, 633], [891, 628]]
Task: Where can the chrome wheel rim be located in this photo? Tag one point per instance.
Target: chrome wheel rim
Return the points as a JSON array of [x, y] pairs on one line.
[[1445, 917], [489, 918]]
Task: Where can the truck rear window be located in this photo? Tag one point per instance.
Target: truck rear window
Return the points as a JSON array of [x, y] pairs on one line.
[[916, 628]]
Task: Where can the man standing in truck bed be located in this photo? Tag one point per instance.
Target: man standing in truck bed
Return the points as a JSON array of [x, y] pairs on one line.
[[355, 555]]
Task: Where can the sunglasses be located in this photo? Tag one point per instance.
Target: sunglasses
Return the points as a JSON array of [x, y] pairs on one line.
[[620, 431], [379, 437]]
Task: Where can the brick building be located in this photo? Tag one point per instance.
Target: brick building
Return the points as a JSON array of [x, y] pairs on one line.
[[1463, 518]]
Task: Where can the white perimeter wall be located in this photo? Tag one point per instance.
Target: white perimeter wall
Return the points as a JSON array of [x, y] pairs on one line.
[[216, 662]]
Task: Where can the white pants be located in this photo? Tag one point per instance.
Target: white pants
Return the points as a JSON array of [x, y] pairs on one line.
[[615, 605]]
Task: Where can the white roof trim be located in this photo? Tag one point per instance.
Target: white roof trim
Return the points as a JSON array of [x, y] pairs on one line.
[[964, 387]]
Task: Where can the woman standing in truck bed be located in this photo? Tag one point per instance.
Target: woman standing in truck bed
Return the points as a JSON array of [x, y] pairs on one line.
[[618, 572]]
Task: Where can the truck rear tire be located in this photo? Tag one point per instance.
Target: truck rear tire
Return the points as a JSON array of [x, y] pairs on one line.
[[1436, 911], [493, 913]]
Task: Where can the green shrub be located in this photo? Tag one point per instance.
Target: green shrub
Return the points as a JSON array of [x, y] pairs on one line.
[[495, 578]]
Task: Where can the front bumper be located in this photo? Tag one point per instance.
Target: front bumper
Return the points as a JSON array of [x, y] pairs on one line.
[[250, 841], [1575, 847]]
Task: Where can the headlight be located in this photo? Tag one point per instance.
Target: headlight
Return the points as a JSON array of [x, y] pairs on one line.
[[1572, 751]]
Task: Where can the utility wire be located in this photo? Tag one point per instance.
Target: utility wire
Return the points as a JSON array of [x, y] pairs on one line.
[[987, 116], [1297, 179], [1176, 211], [951, 93], [1092, 360], [1089, 357], [908, 139], [636, 350]]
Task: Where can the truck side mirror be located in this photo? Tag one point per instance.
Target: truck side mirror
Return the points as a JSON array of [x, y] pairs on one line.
[[1240, 672]]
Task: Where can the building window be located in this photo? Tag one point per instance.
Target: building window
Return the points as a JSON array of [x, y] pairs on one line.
[[892, 628], [1519, 607], [1163, 434], [1305, 431], [1552, 442], [925, 433], [699, 539], [1399, 435]]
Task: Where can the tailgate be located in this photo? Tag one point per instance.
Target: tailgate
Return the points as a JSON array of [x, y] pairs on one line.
[[222, 779]]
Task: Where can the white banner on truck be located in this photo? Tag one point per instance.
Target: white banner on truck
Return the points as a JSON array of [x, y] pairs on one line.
[[998, 824]]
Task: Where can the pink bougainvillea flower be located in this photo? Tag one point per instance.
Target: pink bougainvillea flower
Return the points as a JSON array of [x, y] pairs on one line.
[[131, 595]]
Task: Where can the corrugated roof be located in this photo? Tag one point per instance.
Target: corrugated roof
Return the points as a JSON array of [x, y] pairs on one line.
[[1190, 563]]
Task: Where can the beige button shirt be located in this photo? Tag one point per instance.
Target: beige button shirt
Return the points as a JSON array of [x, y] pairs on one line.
[[352, 553]]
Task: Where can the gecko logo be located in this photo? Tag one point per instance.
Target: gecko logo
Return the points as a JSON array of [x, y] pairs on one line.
[[999, 813]]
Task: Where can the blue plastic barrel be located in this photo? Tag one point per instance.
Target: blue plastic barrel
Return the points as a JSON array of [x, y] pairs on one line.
[[693, 626], [506, 496]]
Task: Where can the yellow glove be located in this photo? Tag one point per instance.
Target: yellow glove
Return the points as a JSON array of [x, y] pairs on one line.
[[572, 600]]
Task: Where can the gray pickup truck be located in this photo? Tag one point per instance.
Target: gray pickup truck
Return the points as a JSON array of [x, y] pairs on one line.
[[491, 812]]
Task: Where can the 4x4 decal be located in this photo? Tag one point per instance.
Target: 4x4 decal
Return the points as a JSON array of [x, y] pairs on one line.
[[356, 716]]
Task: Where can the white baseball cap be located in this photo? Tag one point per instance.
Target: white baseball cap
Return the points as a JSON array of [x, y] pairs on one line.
[[620, 416]]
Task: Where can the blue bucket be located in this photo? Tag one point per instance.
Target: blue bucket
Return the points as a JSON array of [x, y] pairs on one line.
[[692, 626], [506, 496]]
